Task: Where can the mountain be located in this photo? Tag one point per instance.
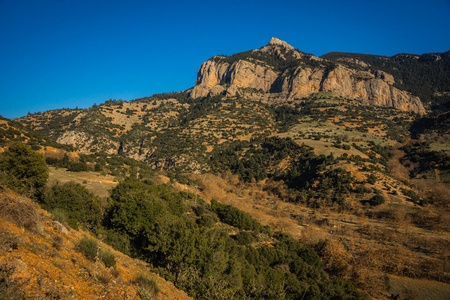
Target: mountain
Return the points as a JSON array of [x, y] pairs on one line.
[[426, 76], [287, 73], [338, 152], [179, 130]]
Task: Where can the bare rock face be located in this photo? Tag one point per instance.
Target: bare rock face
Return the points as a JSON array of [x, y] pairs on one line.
[[278, 42], [241, 74], [375, 89], [84, 142], [209, 75], [245, 74], [218, 76], [303, 83]]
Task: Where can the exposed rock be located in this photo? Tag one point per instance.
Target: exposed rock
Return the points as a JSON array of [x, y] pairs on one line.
[[303, 83], [278, 42], [60, 227], [232, 91], [245, 74], [372, 87], [216, 90], [388, 78], [242, 74], [85, 143], [75, 138], [209, 75], [353, 61]]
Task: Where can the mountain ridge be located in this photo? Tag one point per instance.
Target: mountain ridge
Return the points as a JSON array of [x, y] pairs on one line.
[[287, 73]]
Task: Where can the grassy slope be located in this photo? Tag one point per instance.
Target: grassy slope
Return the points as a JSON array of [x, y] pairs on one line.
[[40, 261], [364, 251], [93, 181]]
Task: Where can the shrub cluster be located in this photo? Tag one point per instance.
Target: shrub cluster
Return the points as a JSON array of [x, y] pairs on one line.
[[91, 250], [151, 223]]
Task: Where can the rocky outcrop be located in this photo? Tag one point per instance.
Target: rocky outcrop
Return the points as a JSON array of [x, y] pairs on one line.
[[218, 76], [277, 42], [215, 78], [86, 143]]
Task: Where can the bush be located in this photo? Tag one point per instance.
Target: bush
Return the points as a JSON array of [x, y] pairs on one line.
[[88, 247], [9, 289], [234, 217], [207, 221], [77, 167], [91, 250], [413, 197], [59, 215], [108, 258], [26, 170], [244, 238], [22, 213], [377, 200], [75, 202], [371, 179], [148, 287]]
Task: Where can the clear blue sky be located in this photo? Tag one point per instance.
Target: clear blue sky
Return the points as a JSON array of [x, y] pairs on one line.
[[64, 53]]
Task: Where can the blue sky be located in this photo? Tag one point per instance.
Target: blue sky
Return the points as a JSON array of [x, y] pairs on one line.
[[64, 53]]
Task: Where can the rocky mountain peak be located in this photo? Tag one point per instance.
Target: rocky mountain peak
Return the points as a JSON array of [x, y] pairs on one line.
[[277, 42], [285, 73]]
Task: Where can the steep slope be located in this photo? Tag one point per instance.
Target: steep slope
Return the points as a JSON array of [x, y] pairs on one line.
[[426, 76], [15, 131], [288, 73], [164, 131], [42, 259]]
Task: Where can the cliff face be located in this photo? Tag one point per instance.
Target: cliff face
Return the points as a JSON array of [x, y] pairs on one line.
[[303, 75], [241, 74]]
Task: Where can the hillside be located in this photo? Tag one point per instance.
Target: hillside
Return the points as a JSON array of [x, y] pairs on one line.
[[273, 159], [210, 250], [425, 76], [42, 259], [282, 72]]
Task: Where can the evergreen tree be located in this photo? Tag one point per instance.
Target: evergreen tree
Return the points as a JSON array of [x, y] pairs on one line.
[[25, 170]]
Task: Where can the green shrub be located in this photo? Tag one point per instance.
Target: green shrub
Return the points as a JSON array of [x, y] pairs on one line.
[[73, 200], [88, 247], [371, 179], [234, 217], [413, 197], [26, 170], [207, 221], [9, 288], [244, 238], [108, 258], [59, 215], [77, 167], [91, 250], [208, 263], [148, 287], [377, 200]]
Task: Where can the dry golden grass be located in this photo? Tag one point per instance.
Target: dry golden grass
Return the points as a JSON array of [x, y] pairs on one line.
[[359, 249], [45, 264], [411, 288], [98, 184]]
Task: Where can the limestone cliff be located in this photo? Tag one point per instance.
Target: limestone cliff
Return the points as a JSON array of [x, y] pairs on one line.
[[280, 69]]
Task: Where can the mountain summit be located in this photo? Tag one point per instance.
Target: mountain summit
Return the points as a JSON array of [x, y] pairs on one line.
[[281, 72], [278, 42]]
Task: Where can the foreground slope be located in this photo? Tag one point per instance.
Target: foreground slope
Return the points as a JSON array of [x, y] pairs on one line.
[[41, 259]]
